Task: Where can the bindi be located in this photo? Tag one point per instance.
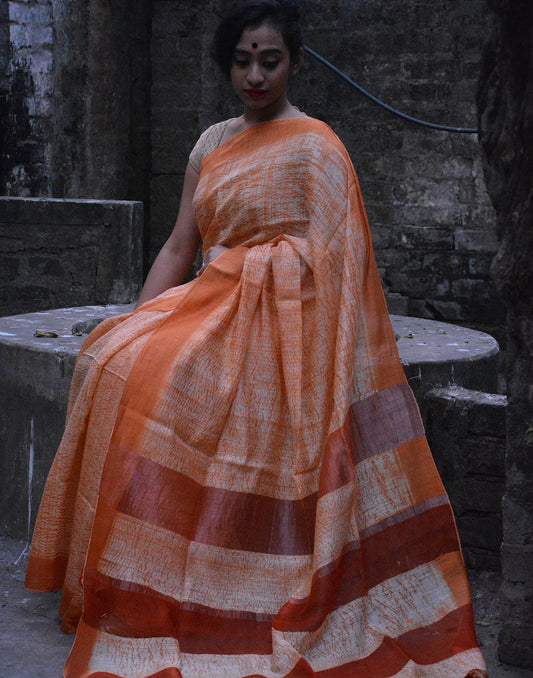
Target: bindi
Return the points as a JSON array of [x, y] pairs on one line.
[[254, 45]]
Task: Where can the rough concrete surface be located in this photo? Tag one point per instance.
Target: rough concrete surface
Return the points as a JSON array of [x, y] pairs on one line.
[[31, 645], [56, 253], [35, 374]]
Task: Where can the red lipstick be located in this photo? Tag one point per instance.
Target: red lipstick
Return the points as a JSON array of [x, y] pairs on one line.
[[255, 93]]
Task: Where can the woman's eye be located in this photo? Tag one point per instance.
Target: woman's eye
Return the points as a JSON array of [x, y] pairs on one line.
[[241, 63], [271, 65]]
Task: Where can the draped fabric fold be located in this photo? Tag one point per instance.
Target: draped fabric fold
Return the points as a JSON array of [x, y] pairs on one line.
[[244, 489]]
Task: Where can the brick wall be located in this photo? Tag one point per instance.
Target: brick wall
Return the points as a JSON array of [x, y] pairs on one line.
[[95, 92], [432, 224]]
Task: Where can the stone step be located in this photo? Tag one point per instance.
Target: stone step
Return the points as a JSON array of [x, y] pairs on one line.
[[35, 373]]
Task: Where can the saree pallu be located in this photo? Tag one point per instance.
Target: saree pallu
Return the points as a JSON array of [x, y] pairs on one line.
[[244, 488]]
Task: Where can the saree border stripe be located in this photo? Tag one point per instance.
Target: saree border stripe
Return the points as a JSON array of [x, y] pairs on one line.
[[429, 645], [263, 584], [398, 417], [200, 630], [409, 551], [339, 463], [360, 439], [361, 567], [279, 526]]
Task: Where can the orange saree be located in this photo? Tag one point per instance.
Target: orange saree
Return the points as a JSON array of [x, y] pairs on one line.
[[244, 488]]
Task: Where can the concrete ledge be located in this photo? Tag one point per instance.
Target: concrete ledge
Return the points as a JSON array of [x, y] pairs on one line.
[[36, 373], [436, 354], [56, 253], [466, 432]]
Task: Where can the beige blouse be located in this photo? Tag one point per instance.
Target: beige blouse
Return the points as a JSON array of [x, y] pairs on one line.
[[208, 141]]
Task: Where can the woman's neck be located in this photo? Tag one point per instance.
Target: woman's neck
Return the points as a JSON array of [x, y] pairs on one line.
[[284, 110]]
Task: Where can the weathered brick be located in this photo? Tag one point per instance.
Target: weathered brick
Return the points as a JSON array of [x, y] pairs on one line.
[[479, 265], [26, 13], [517, 562], [481, 559], [421, 237], [488, 417], [73, 253], [485, 454], [481, 530], [480, 240], [418, 283], [9, 267], [446, 264], [483, 494], [518, 523], [29, 35]]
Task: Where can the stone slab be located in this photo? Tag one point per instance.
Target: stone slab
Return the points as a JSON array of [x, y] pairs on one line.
[[436, 354], [35, 373]]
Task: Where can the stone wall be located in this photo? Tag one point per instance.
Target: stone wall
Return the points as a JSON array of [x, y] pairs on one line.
[[56, 253], [74, 98], [26, 96], [424, 192], [431, 219]]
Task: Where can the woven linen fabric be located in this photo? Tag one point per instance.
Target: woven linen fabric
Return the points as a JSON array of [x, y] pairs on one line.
[[244, 488]]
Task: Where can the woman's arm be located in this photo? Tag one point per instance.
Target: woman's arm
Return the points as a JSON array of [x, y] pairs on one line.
[[177, 255]]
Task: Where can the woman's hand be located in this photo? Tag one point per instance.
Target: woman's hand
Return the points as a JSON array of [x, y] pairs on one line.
[[210, 256]]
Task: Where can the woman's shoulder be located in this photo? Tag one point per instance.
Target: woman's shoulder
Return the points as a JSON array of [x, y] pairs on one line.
[[207, 142]]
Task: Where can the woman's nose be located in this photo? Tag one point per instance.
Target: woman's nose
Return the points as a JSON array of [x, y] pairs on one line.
[[255, 75]]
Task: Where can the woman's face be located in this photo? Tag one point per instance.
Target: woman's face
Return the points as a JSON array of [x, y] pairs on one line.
[[261, 69]]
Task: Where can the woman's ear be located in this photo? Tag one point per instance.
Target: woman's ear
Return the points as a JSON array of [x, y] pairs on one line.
[[298, 61]]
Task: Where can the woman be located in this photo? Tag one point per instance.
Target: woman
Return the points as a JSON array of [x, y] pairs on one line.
[[244, 487]]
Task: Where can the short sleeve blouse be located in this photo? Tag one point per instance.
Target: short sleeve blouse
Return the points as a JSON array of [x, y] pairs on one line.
[[208, 141]]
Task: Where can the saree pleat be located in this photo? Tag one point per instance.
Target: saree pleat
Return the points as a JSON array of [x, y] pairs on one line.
[[244, 489]]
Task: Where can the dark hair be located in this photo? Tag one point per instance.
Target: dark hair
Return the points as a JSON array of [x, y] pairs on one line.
[[283, 14]]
